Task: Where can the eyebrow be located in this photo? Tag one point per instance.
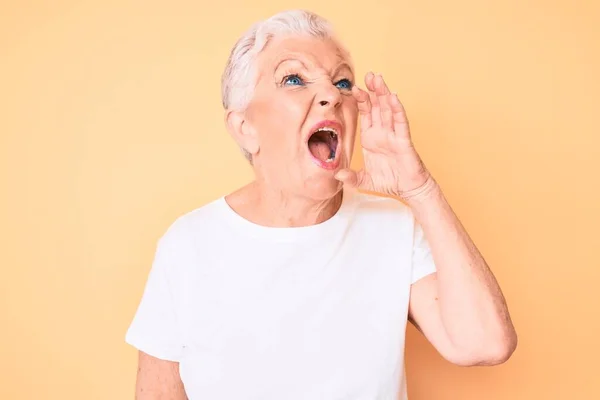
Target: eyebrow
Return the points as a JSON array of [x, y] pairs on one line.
[[286, 59], [340, 66], [343, 65]]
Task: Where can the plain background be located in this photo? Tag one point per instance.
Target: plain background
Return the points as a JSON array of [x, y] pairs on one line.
[[111, 127]]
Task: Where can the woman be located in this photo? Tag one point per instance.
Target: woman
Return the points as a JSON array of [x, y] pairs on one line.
[[297, 285]]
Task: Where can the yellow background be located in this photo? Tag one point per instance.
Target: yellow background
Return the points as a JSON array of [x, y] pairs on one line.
[[111, 127]]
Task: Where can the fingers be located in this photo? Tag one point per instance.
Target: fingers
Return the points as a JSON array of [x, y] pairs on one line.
[[382, 91], [364, 107], [374, 98], [399, 117], [380, 97], [379, 107], [350, 178]]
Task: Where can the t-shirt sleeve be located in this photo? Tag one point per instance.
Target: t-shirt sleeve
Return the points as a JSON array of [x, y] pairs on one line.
[[155, 329], [422, 259]]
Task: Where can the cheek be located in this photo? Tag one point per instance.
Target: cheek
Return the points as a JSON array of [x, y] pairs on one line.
[[294, 107], [287, 110], [288, 116], [279, 123]]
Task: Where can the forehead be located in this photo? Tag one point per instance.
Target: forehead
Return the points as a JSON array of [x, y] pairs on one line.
[[312, 52]]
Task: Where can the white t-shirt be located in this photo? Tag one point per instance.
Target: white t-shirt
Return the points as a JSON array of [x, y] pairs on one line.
[[260, 313]]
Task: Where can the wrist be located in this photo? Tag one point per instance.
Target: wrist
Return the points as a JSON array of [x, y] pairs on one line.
[[422, 192]]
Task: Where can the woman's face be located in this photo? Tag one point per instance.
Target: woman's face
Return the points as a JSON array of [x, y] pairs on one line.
[[303, 115]]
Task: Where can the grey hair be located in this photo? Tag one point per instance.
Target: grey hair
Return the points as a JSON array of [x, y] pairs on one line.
[[238, 79]]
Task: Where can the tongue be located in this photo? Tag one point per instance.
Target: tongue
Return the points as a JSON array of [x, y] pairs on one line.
[[320, 150]]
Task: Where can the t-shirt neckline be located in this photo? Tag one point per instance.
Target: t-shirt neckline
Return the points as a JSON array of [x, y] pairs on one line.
[[302, 233]]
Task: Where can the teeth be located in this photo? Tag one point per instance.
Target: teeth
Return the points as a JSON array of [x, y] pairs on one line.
[[331, 131]]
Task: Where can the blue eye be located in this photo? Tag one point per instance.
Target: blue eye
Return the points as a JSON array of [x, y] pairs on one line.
[[292, 80], [344, 84]]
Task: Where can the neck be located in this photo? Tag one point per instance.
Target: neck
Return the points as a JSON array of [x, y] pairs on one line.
[[266, 206]]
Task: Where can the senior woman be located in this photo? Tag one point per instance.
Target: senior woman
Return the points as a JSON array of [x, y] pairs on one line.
[[300, 284]]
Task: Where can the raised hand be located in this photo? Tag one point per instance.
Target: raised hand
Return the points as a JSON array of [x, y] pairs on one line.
[[391, 163]]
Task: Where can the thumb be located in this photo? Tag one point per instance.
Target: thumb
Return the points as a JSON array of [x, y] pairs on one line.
[[348, 177]]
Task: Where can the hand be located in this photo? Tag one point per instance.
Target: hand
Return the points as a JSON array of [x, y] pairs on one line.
[[391, 163]]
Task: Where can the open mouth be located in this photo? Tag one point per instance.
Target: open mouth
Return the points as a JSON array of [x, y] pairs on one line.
[[323, 144]]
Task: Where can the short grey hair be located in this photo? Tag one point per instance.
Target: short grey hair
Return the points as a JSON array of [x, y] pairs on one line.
[[239, 77]]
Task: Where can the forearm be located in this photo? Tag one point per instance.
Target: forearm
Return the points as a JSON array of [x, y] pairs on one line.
[[158, 379], [471, 306]]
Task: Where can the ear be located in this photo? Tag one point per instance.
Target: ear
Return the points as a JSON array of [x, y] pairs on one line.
[[241, 131]]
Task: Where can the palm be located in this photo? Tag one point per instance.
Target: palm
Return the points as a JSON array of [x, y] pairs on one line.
[[391, 163]]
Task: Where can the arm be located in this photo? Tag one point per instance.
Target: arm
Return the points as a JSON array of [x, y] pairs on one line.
[[158, 379], [460, 308]]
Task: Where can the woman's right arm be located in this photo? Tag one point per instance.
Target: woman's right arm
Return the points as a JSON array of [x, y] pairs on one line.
[[158, 379]]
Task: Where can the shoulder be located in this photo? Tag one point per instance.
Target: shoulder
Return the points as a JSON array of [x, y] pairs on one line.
[[191, 226], [177, 248]]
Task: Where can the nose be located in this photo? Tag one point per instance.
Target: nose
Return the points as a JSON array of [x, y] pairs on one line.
[[329, 95]]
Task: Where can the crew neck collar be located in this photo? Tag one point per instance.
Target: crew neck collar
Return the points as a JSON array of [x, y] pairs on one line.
[[284, 234]]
